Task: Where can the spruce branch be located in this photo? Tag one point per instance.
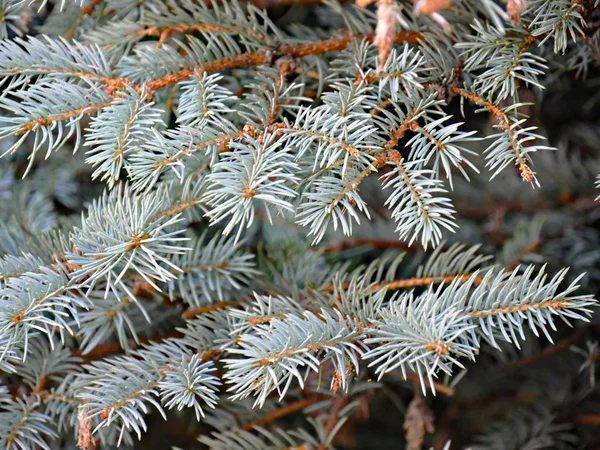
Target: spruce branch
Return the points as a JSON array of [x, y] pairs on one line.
[[22, 425], [213, 270], [168, 270], [44, 302], [291, 346], [512, 139], [117, 131], [415, 207], [259, 58], [262, 172], [109, 243]]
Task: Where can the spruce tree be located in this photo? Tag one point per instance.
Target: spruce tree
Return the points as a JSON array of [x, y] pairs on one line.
[[307, 224]]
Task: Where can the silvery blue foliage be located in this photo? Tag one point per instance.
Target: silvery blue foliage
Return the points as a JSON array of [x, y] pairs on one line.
[[213, 212]]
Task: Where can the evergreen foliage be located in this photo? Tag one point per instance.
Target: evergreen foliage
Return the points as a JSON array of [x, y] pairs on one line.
[[276, 223]]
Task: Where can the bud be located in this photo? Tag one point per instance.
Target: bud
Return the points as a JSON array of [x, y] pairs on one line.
[[388, 18], [427, 7], [515, 8], [85, 441]]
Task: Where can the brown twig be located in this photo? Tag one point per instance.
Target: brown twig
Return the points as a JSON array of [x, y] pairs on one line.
[[260, 58], [191, 313], [439, 387], [588, 419], [548, 352], [424, 281], [103, 350], [408, 283], [281, 412], [45, 121], [558, 304]]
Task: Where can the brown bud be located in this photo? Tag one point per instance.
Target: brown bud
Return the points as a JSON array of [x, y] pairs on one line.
[[388, 18], [427, 7], [515, 8], [85, 440]]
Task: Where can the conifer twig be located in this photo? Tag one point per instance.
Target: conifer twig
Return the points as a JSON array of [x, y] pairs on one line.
[[282, 412], [258, 58]]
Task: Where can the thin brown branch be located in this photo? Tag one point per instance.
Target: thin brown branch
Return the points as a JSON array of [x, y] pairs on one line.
[[41, 384], [191, 313], [112, 348], [408, 283], [548, 352], [439, 387], [282, 412], [398, 134], [220, 141], [179, 208], [588, 419], [424, 281], [353, 184], [180, 28], [393, 156], [45, 121], [561, 303], [260, 58], [311, 347], [45, 395]]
